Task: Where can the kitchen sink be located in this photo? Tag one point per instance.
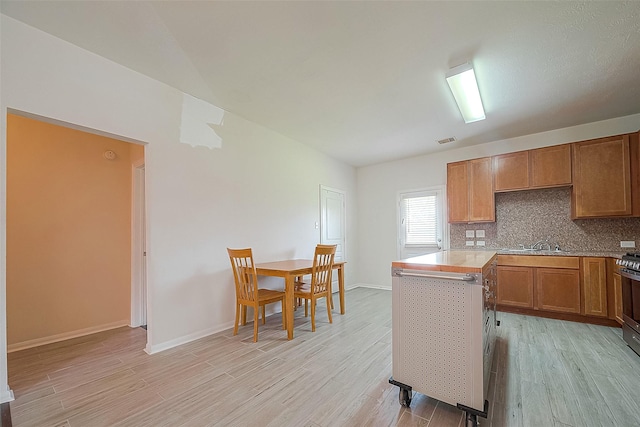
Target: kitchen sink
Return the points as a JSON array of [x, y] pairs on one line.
[[529, 250]]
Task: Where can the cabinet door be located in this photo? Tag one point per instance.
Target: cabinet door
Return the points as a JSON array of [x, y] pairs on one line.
[[458, 191], [601, 178], [617, 289], [511, 171], [558, 290], [515, 286], [594, 286], [550, 166], [481, 201]]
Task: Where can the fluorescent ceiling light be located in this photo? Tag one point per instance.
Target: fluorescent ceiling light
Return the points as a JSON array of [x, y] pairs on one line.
[[462, 81]]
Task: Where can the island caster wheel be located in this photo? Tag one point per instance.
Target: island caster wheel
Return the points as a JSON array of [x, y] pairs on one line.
[[405, 397], [472, 420]]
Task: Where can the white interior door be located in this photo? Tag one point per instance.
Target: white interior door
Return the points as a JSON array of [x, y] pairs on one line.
[[332, 223]]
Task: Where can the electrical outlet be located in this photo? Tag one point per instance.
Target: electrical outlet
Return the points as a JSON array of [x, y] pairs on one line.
[[469, 242], [469, 234], [480, 243], [627, 244], [480, 233]]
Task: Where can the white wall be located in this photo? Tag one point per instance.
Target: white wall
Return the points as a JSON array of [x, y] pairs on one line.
[[378, 187], [259, 189]]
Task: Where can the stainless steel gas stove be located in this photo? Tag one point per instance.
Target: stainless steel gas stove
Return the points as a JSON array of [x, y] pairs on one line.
[[630, 275]]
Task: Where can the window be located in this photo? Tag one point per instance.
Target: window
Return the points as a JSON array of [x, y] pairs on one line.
[[420, 222]]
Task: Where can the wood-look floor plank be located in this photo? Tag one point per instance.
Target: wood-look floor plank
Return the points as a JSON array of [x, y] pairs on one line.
[[545, 372]]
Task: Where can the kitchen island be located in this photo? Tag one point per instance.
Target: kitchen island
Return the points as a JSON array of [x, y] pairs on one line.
[[443, 328]]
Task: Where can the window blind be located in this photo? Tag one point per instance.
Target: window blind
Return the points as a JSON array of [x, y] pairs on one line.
[[420, 220]]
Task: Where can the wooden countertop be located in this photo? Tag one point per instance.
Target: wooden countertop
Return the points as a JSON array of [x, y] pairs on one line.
[[451, 261]]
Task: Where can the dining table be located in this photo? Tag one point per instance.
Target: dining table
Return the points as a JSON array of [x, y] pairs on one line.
[[289, 270]]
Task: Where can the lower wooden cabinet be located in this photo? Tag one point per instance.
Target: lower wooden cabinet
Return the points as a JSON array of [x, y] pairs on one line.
[[617, 289], [557, 290], [575, 287], [594, 286], [515, 286]]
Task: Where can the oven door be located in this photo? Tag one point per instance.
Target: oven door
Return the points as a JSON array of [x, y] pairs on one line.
[[631, 298]]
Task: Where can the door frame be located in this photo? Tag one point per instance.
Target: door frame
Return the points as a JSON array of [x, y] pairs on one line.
[[138, 246], [442, 211]]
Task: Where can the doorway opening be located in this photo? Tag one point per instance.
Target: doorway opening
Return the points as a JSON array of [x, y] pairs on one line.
[[70, 231]]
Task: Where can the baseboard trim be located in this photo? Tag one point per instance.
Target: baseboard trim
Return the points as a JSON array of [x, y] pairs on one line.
[[367, 285], [157, 348], [65, 336], [7, 396]]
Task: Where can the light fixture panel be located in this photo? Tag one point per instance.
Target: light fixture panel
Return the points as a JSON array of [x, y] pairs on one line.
[[464, 87]]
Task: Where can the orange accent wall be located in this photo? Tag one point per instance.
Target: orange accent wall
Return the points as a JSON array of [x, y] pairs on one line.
[[68, 230]]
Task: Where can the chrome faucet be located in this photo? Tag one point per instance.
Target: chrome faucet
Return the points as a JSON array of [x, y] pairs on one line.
[[540, 244]]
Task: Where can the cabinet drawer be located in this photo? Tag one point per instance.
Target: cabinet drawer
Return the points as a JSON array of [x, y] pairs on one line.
[[550, 261]]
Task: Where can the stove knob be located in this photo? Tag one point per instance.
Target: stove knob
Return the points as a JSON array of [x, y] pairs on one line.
[[636, 266]]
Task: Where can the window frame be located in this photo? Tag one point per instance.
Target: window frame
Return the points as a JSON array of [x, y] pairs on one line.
[[442, 227]]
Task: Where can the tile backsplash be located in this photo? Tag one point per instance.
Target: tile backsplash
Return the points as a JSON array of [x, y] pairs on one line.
[[525, 217]]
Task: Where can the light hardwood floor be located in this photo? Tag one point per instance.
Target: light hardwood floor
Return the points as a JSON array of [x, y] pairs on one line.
[[545, 373]]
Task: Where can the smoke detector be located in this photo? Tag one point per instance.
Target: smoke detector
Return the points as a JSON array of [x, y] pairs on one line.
[[447, 140]]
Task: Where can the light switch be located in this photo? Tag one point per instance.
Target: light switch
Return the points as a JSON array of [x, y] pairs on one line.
[[627, 244], [480, 243], [480, 233], [469, 234], [470, 242]]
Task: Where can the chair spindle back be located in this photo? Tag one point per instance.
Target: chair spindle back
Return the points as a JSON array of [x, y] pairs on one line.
[[322, 268], [244, 273]]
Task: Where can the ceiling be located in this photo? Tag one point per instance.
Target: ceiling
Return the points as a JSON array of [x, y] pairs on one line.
[[364, 82]]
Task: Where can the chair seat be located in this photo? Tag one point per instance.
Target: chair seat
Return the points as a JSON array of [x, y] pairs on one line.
[[269, 295]]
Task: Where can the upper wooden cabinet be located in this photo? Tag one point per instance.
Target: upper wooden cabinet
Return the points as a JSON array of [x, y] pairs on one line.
[[602, 178], [540, 168], [550, 166], [511, 171], [458, 191], [470, 191]]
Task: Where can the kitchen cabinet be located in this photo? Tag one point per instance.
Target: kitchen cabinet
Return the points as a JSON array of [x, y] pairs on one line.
[[617, 295], [557, 290], [515, 286], [541, 283], [550, 166], [458, 191], [614, 291], [539, 168], [470, 191], [602, 178], [594, 286], [511, 171]]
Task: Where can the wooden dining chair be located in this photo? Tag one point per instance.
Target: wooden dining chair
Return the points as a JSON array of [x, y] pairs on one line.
[[320, 284], [247, 292]]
